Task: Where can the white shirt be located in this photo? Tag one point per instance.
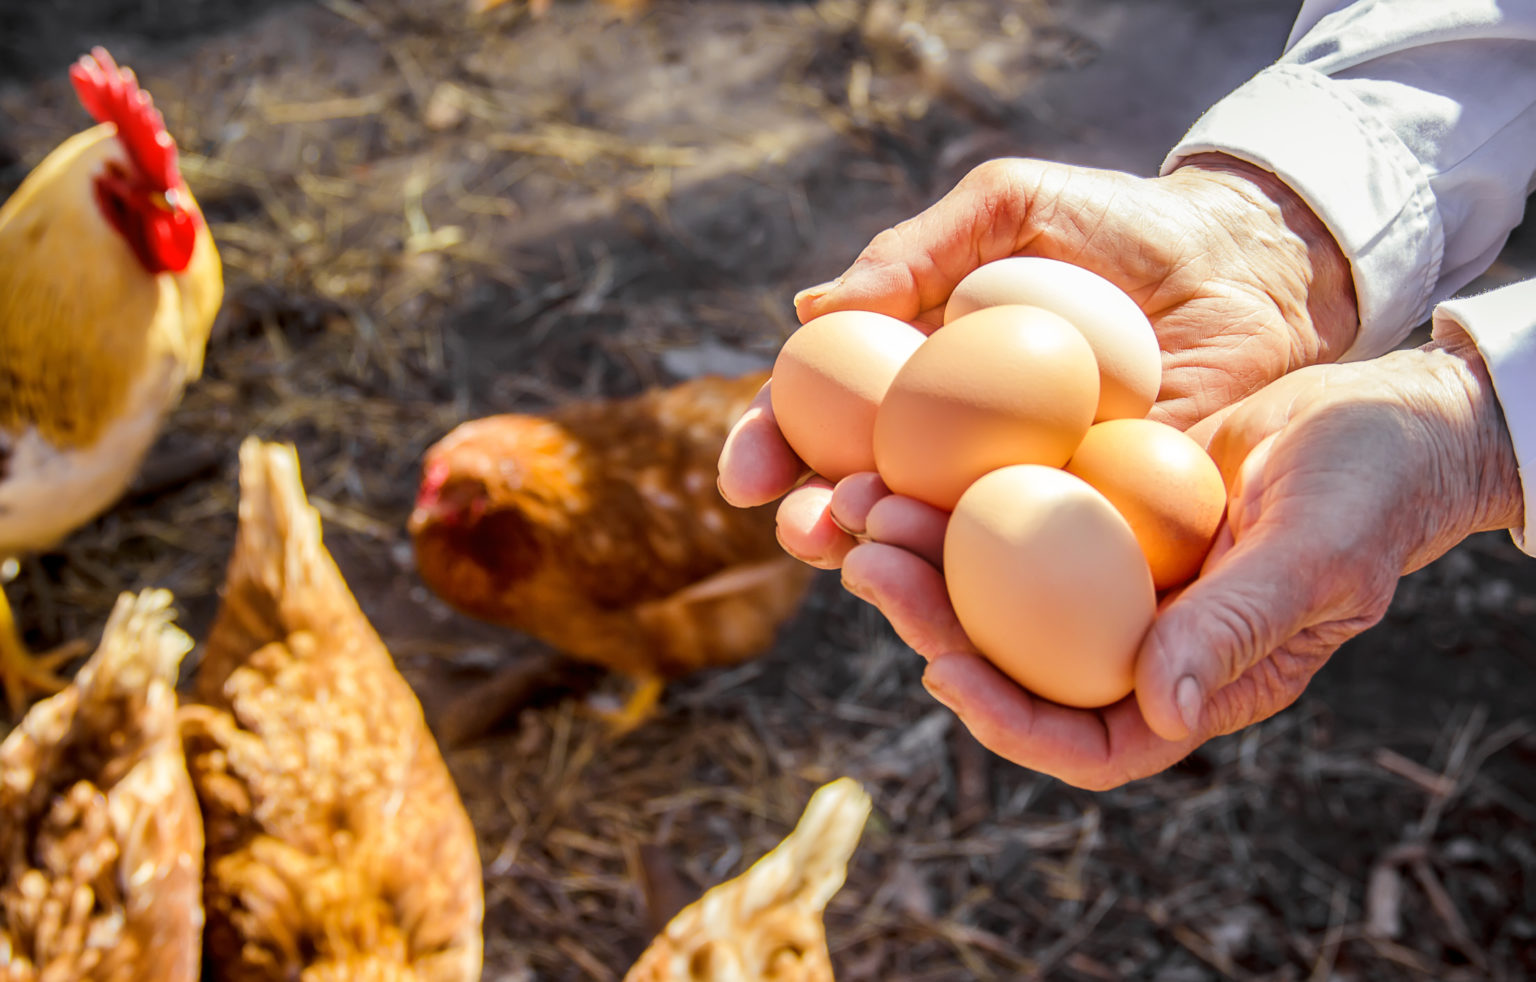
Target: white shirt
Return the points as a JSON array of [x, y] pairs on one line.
[[1409, 127]]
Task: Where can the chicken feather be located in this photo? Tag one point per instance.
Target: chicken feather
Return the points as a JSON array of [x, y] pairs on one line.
[[100, 836], [338, 847], [766, 925]]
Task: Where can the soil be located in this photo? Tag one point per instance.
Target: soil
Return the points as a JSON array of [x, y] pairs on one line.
[[428, 214]]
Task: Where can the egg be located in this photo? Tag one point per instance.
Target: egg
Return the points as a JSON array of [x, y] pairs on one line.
[[1049, 583], [1164, 483], [828, 378], [1122, 339], [1004, 385]]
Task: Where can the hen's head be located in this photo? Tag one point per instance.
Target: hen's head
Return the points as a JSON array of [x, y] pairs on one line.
[[496, 496], [141, 192]]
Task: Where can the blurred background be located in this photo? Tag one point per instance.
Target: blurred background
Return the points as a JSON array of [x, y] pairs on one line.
[[428, 213]]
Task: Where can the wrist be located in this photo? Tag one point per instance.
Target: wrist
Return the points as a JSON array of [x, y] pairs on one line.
[[1313, 284], [1478, 475]]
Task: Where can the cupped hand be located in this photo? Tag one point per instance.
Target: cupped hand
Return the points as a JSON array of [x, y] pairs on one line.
[[1341, 479], [1240, 280]]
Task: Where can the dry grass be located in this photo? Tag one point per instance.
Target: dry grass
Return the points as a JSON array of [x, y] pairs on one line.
[[427, 216]]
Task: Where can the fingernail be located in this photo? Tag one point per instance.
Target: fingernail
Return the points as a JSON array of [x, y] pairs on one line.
[[858, 590], [937, 691], [858, 535], [817, 562], [1191, 701], [817, 291], [720, 487]]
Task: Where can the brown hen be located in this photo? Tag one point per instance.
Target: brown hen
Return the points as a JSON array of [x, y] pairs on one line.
[[766, 925], [338, 848], [101, 844], [599, 530]]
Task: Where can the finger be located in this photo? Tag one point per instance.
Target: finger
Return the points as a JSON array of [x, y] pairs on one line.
[[1222, 545], [805, 527], [1203, 431], [1249, 423], [914, 266], [1093, 749], [909, 524], [1242, 608], [852, 499], [756, 463], [910, 593]]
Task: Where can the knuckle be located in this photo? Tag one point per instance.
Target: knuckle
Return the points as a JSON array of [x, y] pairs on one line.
[[1236, 635], [1000, 172]]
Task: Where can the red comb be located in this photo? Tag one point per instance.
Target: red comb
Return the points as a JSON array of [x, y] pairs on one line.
[[112, 95], [434, 476]]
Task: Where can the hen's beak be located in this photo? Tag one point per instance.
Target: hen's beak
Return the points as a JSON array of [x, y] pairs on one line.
[[430, 506]]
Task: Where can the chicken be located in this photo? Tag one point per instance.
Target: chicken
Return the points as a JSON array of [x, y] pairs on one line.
[[766, 924], [109, 283], [101, 843], [599, 530], [338, 848]]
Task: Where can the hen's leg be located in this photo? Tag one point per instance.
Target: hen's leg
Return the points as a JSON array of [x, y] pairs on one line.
[[637, 709], [24, 673]]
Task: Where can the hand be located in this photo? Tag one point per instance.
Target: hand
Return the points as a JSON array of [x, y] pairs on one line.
[[1240, 280], [1341, 479]]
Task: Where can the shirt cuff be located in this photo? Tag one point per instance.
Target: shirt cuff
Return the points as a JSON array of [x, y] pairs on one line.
[[1357, 176], [1502, 323]]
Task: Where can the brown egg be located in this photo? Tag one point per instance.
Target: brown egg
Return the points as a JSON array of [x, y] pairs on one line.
[[1049, 584], [1004, 385], [1122, 339], [1166, 486], [827, 380]]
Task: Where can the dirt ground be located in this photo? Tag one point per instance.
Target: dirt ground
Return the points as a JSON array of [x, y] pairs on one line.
[[427, 215]]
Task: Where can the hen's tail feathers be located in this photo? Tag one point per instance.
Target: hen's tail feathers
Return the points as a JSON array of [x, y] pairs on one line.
[[809, 866], [97, 808], [139, 645], [126, 690], [789, 886], [280, 579]]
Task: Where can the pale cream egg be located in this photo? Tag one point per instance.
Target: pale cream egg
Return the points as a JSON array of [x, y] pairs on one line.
[[1123, 342]]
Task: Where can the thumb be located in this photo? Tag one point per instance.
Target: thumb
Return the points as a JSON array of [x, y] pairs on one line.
[[909, 270], [903, 273], [1242, 608]]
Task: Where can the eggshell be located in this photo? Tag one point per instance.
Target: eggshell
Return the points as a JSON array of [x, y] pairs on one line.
[[1049, 584], [1123, 342], [828, 378], [1166, 486], [1004, 385]]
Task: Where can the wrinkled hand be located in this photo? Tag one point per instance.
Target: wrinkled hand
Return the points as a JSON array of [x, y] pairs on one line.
[[1341, 479], [1240, 280]]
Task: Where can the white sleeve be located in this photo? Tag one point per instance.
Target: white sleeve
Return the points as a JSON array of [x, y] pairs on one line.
[[1409, 127], [1502, 323]]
